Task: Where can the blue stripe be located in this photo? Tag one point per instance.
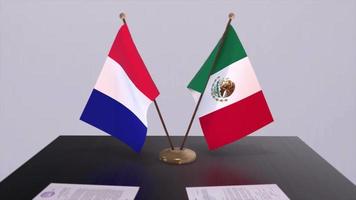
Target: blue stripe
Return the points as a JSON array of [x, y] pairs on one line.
[[110, 116]]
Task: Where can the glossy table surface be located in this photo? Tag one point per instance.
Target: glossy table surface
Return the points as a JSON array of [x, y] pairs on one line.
[[286, 161]]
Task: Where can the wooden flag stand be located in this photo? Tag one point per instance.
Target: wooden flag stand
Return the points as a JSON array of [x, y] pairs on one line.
[[183, 155], [177, 156]]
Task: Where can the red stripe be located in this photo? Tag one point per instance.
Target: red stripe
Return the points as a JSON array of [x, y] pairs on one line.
[[124, 52], [236, 120]]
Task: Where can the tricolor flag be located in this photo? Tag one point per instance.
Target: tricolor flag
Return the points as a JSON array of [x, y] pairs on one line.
[[233, 104], [122, 94]]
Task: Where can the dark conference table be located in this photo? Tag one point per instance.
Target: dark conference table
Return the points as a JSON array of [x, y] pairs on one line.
[[286, 161]]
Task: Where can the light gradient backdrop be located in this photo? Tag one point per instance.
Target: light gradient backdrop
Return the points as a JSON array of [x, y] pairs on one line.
[[303, 52]]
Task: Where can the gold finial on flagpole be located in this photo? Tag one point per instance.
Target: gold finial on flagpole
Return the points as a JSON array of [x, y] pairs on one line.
[[231, 15], [123, 17]]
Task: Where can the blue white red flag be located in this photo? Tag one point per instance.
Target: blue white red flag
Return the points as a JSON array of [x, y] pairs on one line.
[[122, 94]]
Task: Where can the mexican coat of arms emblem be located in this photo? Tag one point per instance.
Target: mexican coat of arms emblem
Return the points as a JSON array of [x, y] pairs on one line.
[[222, 88]]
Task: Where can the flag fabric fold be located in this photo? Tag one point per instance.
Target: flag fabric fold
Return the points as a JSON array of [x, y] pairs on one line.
[[122, 94], [233, 104]]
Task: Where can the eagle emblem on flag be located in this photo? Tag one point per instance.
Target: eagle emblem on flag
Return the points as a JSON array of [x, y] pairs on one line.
[[222, 88]]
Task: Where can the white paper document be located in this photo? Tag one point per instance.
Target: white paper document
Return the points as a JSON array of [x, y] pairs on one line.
[[60, 191], [237, 192]]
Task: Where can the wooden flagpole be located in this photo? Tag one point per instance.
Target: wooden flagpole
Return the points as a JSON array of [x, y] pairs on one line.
[[231, 16], [123, 17], [164, 125]]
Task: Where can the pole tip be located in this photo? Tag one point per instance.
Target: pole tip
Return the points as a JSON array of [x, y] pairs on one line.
[[122, 15], [231, 15]]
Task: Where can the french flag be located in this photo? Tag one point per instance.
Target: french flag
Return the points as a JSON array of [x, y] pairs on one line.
[[122, 94]]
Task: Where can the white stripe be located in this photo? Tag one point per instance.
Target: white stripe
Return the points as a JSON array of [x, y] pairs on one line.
[[246, 84], [114, 82], [195, 95]]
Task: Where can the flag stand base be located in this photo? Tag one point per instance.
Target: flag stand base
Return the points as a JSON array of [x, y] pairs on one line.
[[177, 156]]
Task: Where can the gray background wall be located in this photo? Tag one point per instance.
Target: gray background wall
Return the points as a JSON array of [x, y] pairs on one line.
[[304, 54]]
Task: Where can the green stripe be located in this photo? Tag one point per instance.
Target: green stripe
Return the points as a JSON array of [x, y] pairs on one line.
[[231, 51]]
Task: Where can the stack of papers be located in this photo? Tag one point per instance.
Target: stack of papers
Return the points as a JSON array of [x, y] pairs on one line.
[[238, 192], [58, 191]]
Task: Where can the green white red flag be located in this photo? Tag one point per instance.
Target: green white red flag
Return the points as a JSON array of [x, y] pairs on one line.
[[233, 104]]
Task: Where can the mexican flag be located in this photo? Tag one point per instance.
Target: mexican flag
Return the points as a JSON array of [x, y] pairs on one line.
[[233, 104]]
